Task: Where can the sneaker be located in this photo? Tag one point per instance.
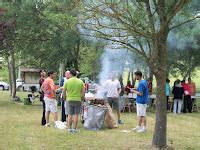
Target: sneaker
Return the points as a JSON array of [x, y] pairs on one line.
[[142, 130], [137, 128], [120, 122], [75, 130], [70, 130], [47, 125], [65, 122]]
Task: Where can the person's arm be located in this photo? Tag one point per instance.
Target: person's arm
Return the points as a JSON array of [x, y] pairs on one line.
[[83, 93], [137, 92], [64, 94], [140, 89]]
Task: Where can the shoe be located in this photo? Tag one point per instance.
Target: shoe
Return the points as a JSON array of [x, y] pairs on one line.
[[142, 130], [120, 122], [137, 128], [75, 130], [70, 130], [65, 122], [47, 125]]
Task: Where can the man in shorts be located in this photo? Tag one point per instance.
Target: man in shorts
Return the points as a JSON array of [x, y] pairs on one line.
[[74, 93], [141, 102], [49, 89], [113, 90]]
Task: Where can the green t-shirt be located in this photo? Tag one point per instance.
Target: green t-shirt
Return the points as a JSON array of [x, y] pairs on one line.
[[73, 86]]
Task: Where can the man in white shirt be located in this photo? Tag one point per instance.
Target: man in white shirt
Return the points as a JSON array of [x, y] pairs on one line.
[[113, 89]]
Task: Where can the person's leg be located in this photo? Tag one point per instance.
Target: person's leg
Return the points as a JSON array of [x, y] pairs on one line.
[[118, 113], [144, 121], [140, 121], [184, 104], [179, 106], [175, 105], [47, 116], [55, 116], [69, 121], [43, 121], [75, 121], [189, 103], [63, 115], [77, 110], [167, 102]]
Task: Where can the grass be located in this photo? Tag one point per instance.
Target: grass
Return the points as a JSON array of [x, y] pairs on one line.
[[20, 129]]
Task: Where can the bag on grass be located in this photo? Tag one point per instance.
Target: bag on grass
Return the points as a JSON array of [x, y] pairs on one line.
[[110, 119], [94, 118]]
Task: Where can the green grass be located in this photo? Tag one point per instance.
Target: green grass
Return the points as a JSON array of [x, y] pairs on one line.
[[20, 129]]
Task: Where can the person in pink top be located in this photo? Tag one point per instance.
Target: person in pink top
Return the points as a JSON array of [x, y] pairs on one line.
[[49, 89], [187, 102]]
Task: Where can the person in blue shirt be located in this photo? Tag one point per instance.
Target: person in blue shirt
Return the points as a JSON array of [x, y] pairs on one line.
[[167, 92], [141, 102]]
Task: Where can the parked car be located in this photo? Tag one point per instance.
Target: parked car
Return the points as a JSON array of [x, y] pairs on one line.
[[4, 86], [22, 86]]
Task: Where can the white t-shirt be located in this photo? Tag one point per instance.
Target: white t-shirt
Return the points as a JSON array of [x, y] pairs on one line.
[[112, 88]]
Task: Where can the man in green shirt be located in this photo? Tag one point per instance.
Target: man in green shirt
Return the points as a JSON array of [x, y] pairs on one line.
[[74, 93]]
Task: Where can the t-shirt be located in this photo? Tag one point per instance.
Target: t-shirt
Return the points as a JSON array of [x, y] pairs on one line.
[[142, 88], [112, 88], [49, 88], [74, 87], [167, 89]]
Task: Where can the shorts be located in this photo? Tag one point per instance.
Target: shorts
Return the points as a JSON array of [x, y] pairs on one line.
[[73, 107], [50, 104], [141, 109], [113, 102]]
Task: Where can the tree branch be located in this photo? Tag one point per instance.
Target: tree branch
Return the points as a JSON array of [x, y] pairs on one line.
[[187, 21]]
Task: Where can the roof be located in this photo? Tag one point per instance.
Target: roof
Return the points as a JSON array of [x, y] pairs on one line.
[[23, 69]]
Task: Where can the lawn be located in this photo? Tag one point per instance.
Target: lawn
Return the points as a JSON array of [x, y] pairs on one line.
[[20, 129]]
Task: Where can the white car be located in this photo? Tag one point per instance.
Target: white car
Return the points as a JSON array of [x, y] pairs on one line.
[[4, 86]]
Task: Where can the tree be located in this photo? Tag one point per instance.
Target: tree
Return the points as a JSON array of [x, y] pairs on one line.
[[184, 50], [141, 26]]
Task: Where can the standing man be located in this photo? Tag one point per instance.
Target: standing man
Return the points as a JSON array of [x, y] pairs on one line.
[[74, 93], [41, 81], [141, 102], [113, 90], [49, 89], [63, 104]]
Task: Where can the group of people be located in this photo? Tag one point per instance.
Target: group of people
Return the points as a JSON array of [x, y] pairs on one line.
[[184, 90], [75, 90], [73, 95]]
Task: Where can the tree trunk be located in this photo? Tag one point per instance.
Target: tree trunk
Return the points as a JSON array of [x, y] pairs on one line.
[[12, 75], [159, 137], [159, 69], [128, 79], [133, 78]]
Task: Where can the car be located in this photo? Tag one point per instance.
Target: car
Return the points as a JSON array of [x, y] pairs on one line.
[[4, 86]]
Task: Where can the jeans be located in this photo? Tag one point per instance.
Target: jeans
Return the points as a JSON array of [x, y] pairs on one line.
[[177, 102]]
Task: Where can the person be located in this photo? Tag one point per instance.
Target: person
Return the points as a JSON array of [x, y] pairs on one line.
[[167, 92], [178, 92], [41, 81], [192, 88], [150, 89], [63, 104], [49, 89], [113, 89], [141, 102], [187, 102], [74, 93], [128, 88], [130, 95]]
